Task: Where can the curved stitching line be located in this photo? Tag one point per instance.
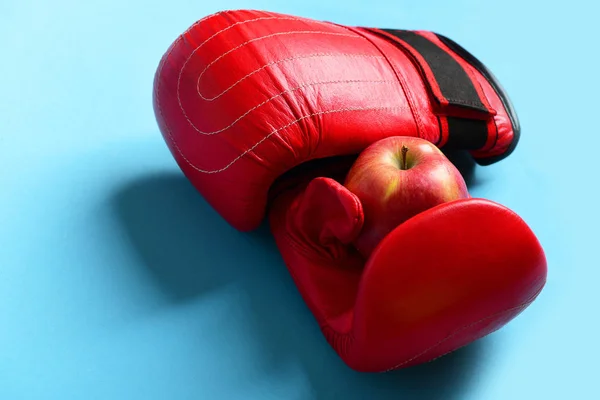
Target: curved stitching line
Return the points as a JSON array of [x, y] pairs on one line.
[[159, 74], [231, 50], [238, 47], [270, 36], [169, 133], [285, 92], [196, 24], [215, 35], [168, 55], [274, 63], [229, 27], [457, 331], [349, 109], [216, 14], [174, 142], [214, 171]]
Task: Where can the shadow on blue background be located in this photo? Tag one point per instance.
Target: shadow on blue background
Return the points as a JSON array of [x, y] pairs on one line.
[[466, 165], [186, 248]]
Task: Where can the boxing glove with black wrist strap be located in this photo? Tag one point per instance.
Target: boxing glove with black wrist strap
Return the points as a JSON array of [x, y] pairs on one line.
[[265, 113]]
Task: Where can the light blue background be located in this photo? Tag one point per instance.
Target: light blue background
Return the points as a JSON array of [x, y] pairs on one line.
[[117, 281]]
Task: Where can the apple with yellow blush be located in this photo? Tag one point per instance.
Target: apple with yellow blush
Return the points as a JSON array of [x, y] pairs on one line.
[[397, 178]]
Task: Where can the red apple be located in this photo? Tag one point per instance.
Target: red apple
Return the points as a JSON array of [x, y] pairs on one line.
[[397, 178]]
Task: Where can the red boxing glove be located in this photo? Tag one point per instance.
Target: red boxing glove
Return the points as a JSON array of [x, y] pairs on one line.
[[439, 281], [243, 96], [265, 113]]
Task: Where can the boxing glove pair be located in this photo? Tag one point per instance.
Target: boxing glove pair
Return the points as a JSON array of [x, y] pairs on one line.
[[265, 113]]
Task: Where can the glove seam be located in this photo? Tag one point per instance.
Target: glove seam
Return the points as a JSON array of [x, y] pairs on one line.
[[214, 171], [311, 55], [267, 136], [401, 81], [193, 52], [294, 89]]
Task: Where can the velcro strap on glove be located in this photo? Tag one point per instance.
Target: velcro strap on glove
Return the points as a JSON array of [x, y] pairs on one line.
[[464, 114]]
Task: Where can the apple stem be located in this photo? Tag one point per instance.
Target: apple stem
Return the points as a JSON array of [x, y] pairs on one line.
[[404, 151]]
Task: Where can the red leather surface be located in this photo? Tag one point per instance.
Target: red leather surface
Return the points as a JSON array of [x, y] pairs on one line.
[[243, 96], [444, 278], [251, 102]]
